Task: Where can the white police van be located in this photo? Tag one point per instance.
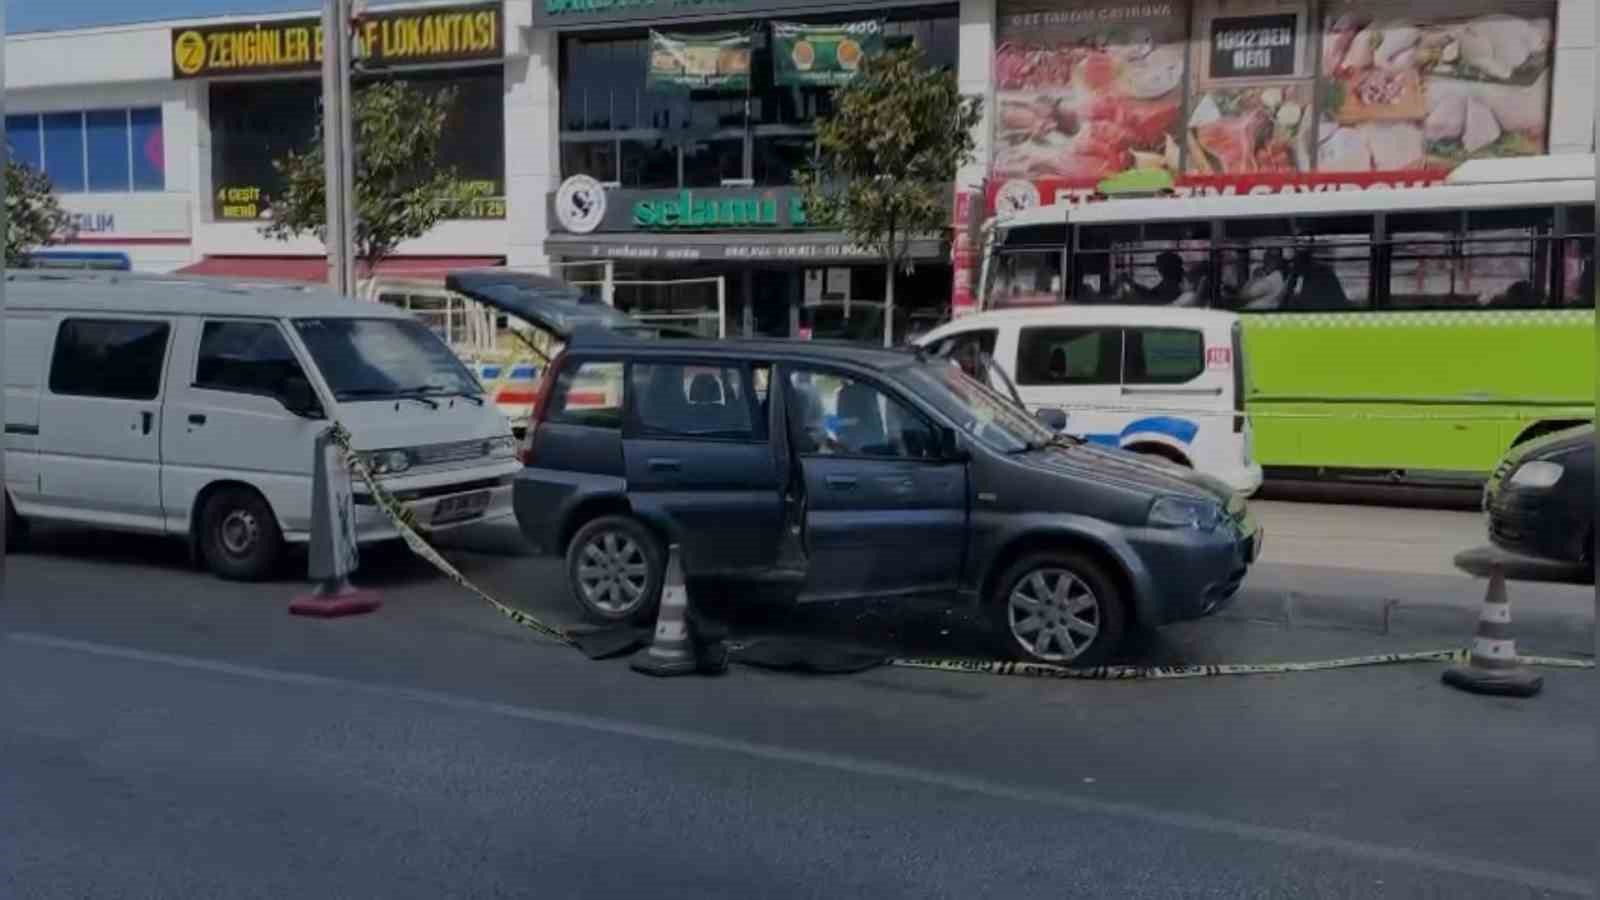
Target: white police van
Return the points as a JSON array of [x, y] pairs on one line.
[[1161, 381], [191, 407]]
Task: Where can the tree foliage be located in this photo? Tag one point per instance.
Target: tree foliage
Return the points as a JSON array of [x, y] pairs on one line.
[[889, 152], [400, 189], [34, 218]]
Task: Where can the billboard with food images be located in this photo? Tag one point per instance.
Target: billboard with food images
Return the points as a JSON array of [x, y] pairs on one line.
[[1085, 93], [1261, 96]]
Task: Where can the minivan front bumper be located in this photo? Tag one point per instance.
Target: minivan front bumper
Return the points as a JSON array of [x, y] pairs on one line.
[[435, 507]]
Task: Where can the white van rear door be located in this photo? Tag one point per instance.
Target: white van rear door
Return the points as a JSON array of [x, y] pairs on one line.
[[99, 448], [225, 420]]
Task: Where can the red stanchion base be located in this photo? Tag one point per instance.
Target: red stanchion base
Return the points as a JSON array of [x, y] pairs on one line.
[[348, 602]]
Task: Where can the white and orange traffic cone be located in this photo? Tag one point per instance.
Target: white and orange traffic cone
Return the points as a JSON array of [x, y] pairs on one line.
[[333, 553], [672, 651], [1493, 666]]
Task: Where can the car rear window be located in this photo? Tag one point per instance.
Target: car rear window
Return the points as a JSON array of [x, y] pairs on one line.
[[588, 393], [692, 401]]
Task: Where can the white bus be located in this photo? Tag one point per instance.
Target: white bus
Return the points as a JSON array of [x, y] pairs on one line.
[[1408, 334]]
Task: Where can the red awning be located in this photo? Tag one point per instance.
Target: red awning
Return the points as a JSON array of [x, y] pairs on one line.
[[315, 268]]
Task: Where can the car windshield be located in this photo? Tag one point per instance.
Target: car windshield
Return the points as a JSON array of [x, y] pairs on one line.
[[976, 407], [375, 359]]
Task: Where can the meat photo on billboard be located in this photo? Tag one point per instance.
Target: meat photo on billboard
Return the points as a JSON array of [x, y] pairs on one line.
[[1250, 129], [1089, 106], [1407, 93]]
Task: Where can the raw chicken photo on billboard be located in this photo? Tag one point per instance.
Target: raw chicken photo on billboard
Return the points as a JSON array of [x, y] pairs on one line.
[[1421, 86], [1250, 109], [1088, 92]]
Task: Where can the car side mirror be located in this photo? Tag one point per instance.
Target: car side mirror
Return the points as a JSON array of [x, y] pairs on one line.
[[1051, 417], [298, 397], [950, 446]]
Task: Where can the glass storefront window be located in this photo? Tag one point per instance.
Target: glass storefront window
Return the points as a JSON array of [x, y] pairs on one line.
[[649, 164], [779, 157], [63, 150], [596, 159], [709, 163], [604, 98], [256, 122]]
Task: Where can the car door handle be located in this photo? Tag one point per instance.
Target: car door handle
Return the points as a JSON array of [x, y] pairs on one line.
[[147, 421], [197, 419], [842, 482], [660, 464]]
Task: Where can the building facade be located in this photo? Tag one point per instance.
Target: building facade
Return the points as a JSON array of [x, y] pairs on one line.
[[661, 136]]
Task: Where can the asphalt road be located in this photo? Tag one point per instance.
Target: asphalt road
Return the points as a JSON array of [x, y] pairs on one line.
[[169, 735]]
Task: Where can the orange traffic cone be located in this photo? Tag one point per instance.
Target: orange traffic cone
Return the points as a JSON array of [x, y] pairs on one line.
[[1493, 666], [672, 651]]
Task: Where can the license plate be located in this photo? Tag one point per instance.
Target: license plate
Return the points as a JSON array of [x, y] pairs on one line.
[[464, 506]]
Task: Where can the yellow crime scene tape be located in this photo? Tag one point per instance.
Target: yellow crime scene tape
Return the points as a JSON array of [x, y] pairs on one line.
[[404, 522]]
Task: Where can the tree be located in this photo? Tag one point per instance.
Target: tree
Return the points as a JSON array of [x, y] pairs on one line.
[[34, 218], [400, 189], [886, 156]]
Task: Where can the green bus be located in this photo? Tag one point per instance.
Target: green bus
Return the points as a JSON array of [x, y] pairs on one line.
[[1406, 335]]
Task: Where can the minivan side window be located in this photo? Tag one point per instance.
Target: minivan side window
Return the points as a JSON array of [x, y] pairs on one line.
[[840, 416], [116, 358], [245, 358], [1048, 356], [686, 400], [1163, 356], [589, 393], [965, 348]]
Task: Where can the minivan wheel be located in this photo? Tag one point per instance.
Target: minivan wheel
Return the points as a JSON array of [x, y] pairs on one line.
[[1058, 607], [615, 566], [239, 536]]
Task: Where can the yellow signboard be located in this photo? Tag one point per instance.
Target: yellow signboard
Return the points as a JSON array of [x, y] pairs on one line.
[[409, 37]]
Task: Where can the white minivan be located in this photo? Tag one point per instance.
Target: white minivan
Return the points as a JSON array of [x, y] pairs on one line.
[[1161, 381], [191, 406]]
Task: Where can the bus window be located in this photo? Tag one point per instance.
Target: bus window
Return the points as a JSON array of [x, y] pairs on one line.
[[1254, 263], [1332, 265], [1026, 278], [1506, 257], [1157, 263], [1423, 270], [1069, 356], [1577, 258]]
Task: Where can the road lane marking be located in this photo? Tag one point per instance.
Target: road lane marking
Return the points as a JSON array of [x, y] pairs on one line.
[[1300, 840]]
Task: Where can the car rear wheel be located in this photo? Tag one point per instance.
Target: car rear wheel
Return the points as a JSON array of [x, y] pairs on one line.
[[1058, 607], [615, 566], [239, 536]]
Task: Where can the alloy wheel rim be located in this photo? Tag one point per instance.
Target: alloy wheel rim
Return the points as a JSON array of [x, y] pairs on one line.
[[612, 573], [1053, 614], [239, 532]]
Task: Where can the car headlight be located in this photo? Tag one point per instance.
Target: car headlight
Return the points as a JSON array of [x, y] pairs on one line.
[[1536, 474], [387, 462], [500, 447], [1180, 512]]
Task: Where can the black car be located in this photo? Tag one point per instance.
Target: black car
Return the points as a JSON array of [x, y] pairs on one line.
[[851, 472], [1541, 499]]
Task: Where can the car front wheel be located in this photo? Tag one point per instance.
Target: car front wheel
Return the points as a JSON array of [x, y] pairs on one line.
[[615, 566], [1058, 607], [239, 536]]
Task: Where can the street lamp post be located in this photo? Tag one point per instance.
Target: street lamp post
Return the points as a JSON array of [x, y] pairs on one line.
[[338, 145]]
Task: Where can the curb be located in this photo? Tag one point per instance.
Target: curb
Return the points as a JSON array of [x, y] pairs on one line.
[[1567, 630]]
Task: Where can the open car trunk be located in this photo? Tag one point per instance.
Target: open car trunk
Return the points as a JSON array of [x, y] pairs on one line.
[[549, 304]]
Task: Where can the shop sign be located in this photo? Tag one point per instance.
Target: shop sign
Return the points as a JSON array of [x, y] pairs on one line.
[[581, 13], [400, 38], [822, 55], [583, 205], [1253, 46], [699, 62], [134, 215], [1017, 195], [812, 250], [246, 202]]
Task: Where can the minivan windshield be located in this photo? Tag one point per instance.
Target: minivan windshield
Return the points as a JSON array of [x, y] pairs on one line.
[[977, 408], [377, 359]]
